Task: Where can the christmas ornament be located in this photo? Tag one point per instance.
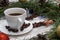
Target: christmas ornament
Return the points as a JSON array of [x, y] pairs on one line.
[[3, 36]]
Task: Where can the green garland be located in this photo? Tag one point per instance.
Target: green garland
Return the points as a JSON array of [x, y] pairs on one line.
[[48, 9]]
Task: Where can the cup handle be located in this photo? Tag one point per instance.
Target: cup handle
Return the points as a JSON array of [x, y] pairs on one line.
[[21, 22]]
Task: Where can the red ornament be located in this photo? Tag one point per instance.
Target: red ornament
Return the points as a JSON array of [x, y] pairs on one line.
[[3, 36]]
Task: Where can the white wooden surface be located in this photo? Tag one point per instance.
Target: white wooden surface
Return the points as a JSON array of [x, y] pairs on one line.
[[31, 34]]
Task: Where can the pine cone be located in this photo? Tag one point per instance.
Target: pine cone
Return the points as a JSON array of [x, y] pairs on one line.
[[4, 3]]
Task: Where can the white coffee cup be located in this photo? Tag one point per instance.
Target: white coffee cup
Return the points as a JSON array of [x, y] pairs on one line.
[[15, 21]]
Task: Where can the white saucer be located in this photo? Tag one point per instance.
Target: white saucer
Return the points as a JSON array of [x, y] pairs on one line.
[[3, 23]]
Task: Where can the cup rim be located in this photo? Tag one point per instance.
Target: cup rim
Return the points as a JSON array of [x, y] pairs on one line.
[[14, 8]]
